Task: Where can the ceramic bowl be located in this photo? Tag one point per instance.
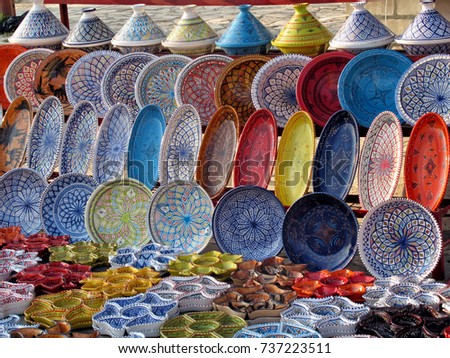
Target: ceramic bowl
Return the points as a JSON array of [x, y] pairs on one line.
[[337, 326], [277, 330], [406, 290]]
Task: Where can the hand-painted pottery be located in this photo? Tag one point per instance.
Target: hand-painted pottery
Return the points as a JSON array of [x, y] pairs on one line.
[[413, 99], [277, 330], [180, 146], [427, 161], [256, 151], [215, 160], [337, 154], [117, 213], [381, 161], [156, 82], [399, 237], [367, 84], [9, 53], [15, 298], [233, 88], [83, 82], [196, 83], [294, 158], [79, 139], [145, 144], [45, 137], [317, 84], [274, 86]]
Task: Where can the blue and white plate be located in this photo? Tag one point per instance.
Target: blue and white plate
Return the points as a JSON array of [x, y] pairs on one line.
[[277, 330]]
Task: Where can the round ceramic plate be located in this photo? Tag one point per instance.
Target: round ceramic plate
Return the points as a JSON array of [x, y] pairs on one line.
[[317, 85], [248, 221], [9, 53], [45, 137], [399, 237], [84, 79], [424, 88], [256, 151], [180, 216], [367, 84], [274, 86], [337, 153], [321, 231], [381, 160], [78, 140], [277, 330], [427, 161]]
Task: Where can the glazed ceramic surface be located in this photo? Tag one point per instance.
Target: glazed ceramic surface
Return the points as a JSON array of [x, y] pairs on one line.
[[9, 53], [277, 330]]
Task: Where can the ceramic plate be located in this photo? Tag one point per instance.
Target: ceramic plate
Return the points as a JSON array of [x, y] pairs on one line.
[[145, 144], [274, 85], [180, 216], [317, 85], [79, 139], [84, 79], [215, 160], [294, 158], [196, 82], [381, 160], [180, 146], [248, 221], [337, 154], [399, 237], [321, 231], [9, 53], [424, 88], [427, 161], [257, 150], [277, 330], [45, 137], [367, 84]]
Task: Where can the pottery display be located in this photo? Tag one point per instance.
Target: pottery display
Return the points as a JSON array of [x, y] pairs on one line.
[[83, 253], [13, 261]]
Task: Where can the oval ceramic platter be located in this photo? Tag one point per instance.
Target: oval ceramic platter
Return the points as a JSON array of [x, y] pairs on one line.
[[321, 231], [423, 88], [248, 221], [180, 216], [427, 161], [274, 85], [83, 82], [217, 151], [368, 82], [180, 146], [337, 153], [399, 237], [9, 53], [79, 139], [145, 144], [381, 160], [316, 90], [117, 211], [294, 158], [256, 151], [196, 82]]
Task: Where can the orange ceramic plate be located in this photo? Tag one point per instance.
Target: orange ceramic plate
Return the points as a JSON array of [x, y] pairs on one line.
[[8, 54]]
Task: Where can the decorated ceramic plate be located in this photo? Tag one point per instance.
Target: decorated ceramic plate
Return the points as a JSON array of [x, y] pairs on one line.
[[337, 153], [117, 211], [234, 85], [248, 221], [9, 53], [83, 82], [79, 139], [381, 160], [215, 160], [427, 161], [317, 85], [256, 151], [180, 216], [423, 88], [277, 330], [45, 137], [196, 83], [274, 86], [180, 146], [294, 158], [145, 144], [321, 231], [367, 84], [399, 237]]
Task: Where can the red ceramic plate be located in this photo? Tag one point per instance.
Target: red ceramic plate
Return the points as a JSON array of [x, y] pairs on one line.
[[427, 161], [9, 53], [317, 85], [257, 150]]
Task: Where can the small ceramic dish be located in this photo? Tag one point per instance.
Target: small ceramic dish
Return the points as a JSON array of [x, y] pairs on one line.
[[85, 253], [337, 326], [277, 330]]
